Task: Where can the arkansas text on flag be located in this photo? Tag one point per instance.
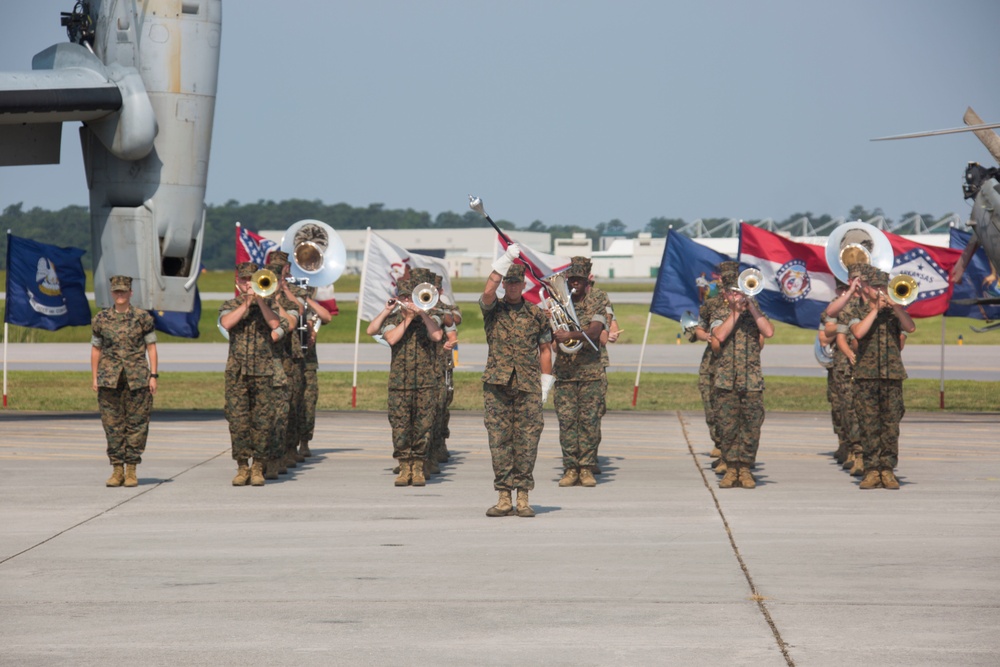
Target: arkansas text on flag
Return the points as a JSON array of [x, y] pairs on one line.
[[543, 264], [386, 264], [979, 281], [687, 272], [45, 285]]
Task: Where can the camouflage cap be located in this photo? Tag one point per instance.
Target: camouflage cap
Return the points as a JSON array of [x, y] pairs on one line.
[[729, 273], [121, 283], [278, 258], [404, 287], [515, 274], [579, 268], [856, 271], [878, 278], [419, 275], [245, 269]]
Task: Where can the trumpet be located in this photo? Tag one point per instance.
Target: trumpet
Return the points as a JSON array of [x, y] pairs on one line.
[[903, 289], [264, 283], [425, 296], [688, 320], [751, 282]]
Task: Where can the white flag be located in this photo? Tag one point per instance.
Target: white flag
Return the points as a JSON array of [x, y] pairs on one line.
[[385, 264]]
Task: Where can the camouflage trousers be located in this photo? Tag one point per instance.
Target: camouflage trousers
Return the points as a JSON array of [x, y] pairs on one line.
[[840, 393], [125, 417], [411, 416], [287, 432], [439, 432], [705, 389], [252, 408], [879, 404], [579, 406], [514, 425], [739, 415], [309, 400]]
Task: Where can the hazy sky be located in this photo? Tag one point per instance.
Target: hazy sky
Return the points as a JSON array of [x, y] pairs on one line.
[[577, 111]]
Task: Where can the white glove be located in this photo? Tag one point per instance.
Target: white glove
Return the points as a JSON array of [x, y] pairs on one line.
[[504, 261], [547, 382]]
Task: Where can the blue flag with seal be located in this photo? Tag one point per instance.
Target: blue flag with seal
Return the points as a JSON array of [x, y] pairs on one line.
[[184, 325], [978, 282], [687, 276], [46, 285]]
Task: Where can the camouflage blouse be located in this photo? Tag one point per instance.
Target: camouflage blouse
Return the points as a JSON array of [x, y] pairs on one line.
[[879, 356], [609, 315], [415, 358], [514, 333], [586, 364], [738, 364], [708, 358], [122, 339], [251, 351]]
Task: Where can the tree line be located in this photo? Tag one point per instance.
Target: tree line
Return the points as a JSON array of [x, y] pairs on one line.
[[70, 226]]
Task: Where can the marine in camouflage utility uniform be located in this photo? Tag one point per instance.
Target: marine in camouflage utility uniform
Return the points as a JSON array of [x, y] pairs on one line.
[[706, 369], [512, 397], [878, 382], [122, 378], [255, 380], [579, 392]]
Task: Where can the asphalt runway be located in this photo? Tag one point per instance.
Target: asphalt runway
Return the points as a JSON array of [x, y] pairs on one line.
[[962, 362], [332, 565]]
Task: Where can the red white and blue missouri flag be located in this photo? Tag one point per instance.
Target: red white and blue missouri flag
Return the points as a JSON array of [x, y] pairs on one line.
[[798, 283]]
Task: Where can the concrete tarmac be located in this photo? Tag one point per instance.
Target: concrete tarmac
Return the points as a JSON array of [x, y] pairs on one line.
[[333, 565]]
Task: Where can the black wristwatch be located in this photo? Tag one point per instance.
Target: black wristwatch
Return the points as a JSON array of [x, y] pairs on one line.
[[154, 375]]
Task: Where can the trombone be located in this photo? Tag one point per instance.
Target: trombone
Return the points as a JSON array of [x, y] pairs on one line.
[[264, 283], [751, 282], [903, 289], [425, 296]]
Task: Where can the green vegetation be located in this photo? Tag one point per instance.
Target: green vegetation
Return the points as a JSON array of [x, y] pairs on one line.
[[70, 391]]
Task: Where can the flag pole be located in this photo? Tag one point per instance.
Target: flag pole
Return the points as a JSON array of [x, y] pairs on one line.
[[6, 334], [642, 352], [942, 361], [357, 324]]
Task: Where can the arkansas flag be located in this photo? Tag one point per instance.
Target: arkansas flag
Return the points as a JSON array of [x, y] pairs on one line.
[[798, 284], [536, 264]]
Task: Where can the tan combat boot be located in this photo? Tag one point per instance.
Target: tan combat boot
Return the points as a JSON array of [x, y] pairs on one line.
[[720, 468], [431, 467], [304, 449], [586, 478], [889, 480], [242, 473], [858, 468], [523, 508], [130, 478], [570, 477], [729, 479], [503, 506], [716, 453], [257, 473], [404, 474], [117, 475], [872, 480], [746, 478], [271, 469], [417, 474], [849, 461]]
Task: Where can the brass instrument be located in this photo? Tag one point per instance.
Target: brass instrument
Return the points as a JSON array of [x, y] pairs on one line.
[[562, 314], [264, 283], [903, 289], [824, 353], [751, 282], [425, 296], [315, 251], [857, 243], [688, 321]]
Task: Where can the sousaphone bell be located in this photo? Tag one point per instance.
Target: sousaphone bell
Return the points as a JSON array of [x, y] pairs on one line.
[[857, 243], [315, 252]]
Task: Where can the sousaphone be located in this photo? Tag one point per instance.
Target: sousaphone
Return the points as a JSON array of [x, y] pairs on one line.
[[315, 252], [857, 243]]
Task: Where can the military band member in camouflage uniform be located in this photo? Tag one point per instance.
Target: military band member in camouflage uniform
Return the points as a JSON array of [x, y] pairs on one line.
[[579, 390], [413, 335], [517, 378], [284, 447], [316, 315], [255, 379], [878, 379], [840, 381], [123, 336], [728, 271], [739, 383], [609, 335], [452, 320]]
